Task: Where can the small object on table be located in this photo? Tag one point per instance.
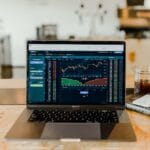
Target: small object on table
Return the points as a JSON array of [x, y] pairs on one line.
[[139, 104], [142, 80]]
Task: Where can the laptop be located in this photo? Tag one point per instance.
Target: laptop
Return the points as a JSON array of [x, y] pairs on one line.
[[75, 90]]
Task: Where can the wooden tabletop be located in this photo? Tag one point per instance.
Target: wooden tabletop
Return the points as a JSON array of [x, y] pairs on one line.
[[9, 114]]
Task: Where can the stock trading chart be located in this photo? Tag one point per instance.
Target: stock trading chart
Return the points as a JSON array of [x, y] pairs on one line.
[[76, 78], [84, 73], [83, 80]]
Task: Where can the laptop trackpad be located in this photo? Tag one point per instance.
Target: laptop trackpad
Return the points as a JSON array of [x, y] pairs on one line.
[[71, 130]]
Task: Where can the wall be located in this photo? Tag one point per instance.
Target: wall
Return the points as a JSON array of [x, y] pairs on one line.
[[141, 51], [19, 18]]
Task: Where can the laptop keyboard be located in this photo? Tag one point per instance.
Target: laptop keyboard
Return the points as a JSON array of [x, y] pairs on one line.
[[101, 116]]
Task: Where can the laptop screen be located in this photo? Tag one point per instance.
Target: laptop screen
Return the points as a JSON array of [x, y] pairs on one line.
[[75, 73]]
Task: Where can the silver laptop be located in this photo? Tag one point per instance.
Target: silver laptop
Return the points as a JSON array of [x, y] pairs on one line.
[[75, 89]]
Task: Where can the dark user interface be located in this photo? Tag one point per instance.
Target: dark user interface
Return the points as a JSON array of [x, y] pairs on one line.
[[75, 78]]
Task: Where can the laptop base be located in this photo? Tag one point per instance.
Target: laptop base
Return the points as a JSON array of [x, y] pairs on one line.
[[23, 129]]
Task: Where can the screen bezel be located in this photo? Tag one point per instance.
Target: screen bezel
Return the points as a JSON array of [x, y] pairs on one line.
[[117, 106]]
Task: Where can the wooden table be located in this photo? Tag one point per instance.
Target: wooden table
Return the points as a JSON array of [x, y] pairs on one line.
[[9, 114]]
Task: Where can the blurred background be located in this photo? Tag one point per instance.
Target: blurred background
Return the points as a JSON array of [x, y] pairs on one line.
[[23, 20]]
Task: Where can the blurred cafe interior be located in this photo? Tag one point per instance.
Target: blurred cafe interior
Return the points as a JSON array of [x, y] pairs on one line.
[[98, 20]]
